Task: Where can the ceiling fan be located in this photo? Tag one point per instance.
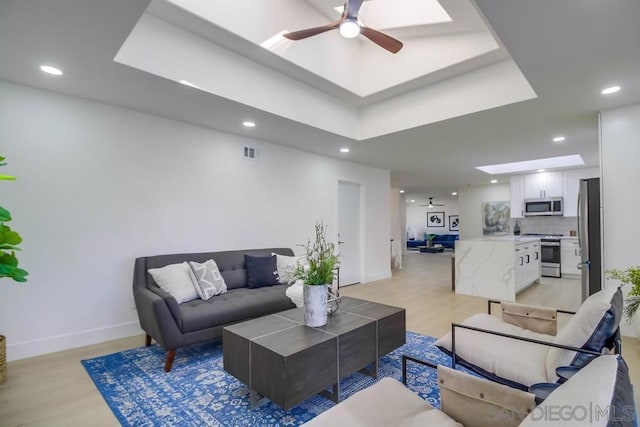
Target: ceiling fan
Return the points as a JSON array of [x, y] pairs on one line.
[[431, 204], [350, 26]]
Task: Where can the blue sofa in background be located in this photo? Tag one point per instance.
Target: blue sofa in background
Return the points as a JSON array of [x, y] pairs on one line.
[[446, 240], [416, 243]]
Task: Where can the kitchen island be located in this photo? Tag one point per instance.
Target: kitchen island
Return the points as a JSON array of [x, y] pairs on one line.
[[497, 267]]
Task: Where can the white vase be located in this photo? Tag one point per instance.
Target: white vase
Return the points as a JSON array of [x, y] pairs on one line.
[[315, 305]]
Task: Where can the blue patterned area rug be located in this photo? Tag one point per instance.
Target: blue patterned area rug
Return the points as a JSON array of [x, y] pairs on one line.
[[198, 392]]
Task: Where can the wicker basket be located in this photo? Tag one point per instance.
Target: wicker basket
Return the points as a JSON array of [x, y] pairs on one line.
[[3, 359]]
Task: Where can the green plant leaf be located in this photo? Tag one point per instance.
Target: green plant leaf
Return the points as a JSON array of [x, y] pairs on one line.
[[7, 178], [4, 215], [9, 248], [8, 259], [10, 237]]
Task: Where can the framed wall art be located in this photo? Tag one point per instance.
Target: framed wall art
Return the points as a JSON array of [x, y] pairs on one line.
[[495, 217], [435, 219], [454, 223]]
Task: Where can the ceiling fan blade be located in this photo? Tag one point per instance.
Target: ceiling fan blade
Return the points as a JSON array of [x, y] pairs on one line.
[[353, 7], [310, 32], [381, 39]]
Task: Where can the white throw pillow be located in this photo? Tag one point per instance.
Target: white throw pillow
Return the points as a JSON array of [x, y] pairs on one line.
[[295, 293], [585, 399], [175, 279], [207, 279], [286, 265], [579, 329]]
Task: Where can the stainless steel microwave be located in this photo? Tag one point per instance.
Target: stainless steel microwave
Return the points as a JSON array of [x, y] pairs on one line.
[[543, 207]]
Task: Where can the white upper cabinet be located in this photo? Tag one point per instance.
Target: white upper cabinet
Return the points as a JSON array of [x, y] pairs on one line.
[[571, 188], [517, 196], [543, 184]]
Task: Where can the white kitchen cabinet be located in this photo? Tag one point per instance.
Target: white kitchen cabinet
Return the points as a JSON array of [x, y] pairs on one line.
[[517, 196], [527, 257], [571, 188], [543, 184], [569, 257]]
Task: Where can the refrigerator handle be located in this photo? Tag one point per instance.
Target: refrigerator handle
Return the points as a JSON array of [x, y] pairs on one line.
[[578, 211]]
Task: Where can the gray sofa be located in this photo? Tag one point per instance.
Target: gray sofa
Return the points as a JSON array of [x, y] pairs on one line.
[[174, 325]]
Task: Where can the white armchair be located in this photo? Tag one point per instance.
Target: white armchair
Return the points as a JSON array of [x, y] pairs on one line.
[[521, 349]]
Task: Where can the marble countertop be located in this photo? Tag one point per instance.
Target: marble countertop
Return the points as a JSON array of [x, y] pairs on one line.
[[507, 238]]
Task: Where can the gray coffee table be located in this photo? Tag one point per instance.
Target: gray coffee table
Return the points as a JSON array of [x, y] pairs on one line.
[[283, 360]]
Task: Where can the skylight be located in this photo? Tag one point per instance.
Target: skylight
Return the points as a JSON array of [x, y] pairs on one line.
[[276, 43], [533, 165], [391, 13]]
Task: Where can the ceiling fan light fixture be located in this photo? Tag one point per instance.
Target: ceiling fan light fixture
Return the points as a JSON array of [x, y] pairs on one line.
[[349, 29]]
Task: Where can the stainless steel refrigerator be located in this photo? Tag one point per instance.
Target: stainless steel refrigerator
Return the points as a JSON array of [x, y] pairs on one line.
[[589, 236]]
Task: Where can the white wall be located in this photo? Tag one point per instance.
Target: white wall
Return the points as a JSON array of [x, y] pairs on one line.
[[417, 218], [99, 185], [620, 151], [470, 201]]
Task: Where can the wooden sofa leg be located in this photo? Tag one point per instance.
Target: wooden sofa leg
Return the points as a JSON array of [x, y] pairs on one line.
[[171, 354], [147, 341]]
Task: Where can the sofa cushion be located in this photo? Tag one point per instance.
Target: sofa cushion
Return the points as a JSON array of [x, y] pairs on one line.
[[261, 271], [233, 306], [387, 403], [600, 394], [230, 264], [591, 327], [176, 280], [512, 362], [286, 265], [207, 279]]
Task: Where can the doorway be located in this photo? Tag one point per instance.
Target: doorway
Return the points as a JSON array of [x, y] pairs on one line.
[[349, 233]]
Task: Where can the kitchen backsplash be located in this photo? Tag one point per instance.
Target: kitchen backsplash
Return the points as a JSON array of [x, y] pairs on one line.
[[546, 225]]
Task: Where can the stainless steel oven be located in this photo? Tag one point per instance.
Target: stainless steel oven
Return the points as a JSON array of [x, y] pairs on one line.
[[550, 257]]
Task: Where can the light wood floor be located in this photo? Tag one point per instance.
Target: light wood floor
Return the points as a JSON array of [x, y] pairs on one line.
[[54, 390]]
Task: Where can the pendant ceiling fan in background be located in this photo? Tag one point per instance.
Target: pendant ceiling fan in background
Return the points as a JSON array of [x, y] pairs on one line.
[[431, 204], [350, 26]]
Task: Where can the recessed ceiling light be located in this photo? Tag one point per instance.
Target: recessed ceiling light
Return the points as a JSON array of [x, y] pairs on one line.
[[540, 170], [188, 83], [532, 165], [413, 201], [494, 181], [559, 139], [51, 70], [610, 90], [454, 194], [344, 150], [249, 124], [401, 191]]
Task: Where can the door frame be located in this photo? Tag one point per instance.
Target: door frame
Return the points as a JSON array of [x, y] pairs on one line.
[[361, 223]]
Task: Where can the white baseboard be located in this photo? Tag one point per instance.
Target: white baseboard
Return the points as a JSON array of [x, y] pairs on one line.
[[378, 276], [25, 349]]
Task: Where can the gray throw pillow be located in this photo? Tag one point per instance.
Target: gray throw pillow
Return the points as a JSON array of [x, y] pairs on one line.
[[207, 279]]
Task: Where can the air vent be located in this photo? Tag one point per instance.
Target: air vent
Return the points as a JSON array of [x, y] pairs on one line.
[[250, 153]]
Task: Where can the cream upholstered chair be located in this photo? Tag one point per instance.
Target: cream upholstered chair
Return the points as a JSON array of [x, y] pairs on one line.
[[523, 349], [598, 395]]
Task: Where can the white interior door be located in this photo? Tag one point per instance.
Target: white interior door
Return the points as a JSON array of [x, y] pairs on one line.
[[349, 232]]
